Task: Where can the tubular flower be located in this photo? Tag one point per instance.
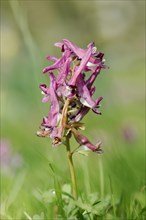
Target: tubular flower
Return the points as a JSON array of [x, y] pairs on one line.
[[70, 92]]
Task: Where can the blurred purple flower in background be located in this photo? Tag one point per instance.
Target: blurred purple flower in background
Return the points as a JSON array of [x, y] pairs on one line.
[[71, 90], [10, 161], [129, 133]]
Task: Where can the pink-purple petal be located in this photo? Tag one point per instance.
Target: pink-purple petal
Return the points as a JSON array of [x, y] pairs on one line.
[[84, 93], [82, 66], [54, 103], [61, 78], [59, 63], [83, 141]]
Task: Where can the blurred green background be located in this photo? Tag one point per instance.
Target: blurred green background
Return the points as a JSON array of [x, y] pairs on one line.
[[29, 30]]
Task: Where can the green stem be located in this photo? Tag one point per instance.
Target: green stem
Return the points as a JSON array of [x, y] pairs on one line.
[[72, 170]]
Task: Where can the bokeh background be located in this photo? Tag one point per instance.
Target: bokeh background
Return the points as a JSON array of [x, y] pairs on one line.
[[29, 30]]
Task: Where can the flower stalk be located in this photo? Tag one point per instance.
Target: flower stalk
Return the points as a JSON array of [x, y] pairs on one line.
[[71, 167]]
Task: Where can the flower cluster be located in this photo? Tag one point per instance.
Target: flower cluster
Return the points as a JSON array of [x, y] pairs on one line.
[[70, 92]]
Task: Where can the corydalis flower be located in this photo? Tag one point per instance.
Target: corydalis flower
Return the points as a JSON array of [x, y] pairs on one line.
[[70, 92]]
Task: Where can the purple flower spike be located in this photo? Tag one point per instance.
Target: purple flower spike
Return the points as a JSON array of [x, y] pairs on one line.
[[71, 92]]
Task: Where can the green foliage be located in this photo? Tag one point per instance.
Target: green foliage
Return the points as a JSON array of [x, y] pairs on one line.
[[91, 208]]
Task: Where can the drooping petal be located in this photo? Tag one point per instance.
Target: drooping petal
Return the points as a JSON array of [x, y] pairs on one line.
[[83, 141]]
